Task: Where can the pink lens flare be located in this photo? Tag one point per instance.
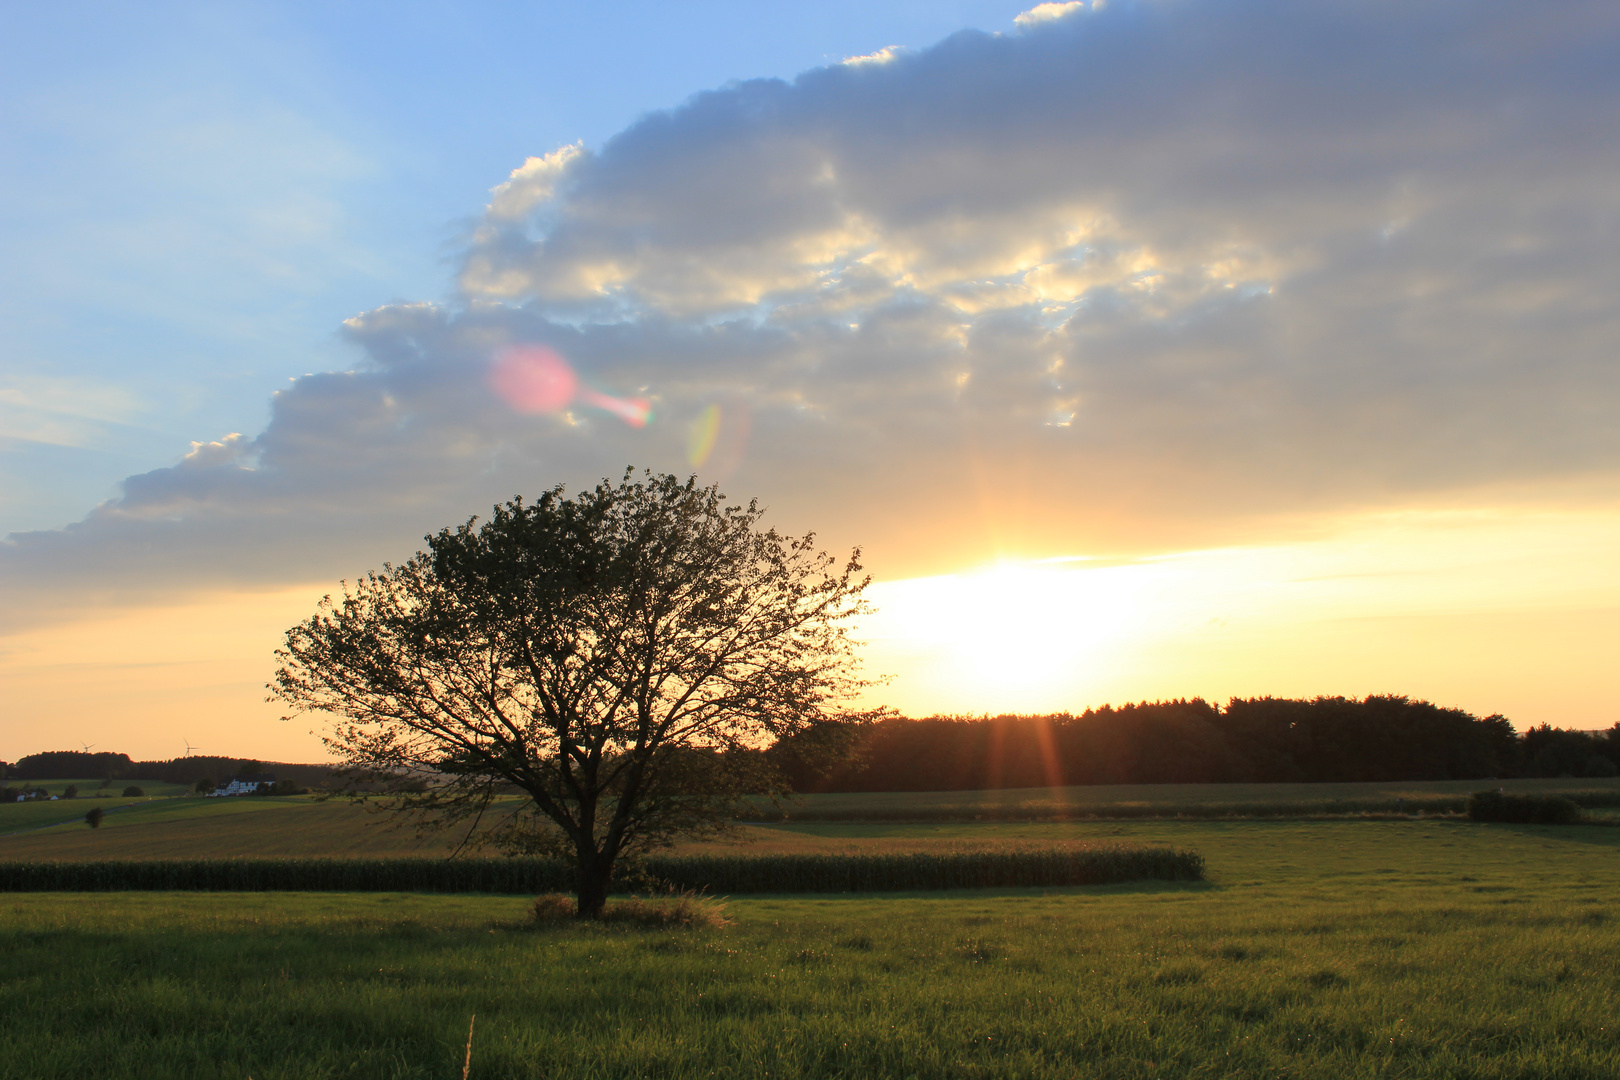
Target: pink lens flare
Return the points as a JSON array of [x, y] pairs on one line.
[[633, 411], [536, 379], [533, 379]]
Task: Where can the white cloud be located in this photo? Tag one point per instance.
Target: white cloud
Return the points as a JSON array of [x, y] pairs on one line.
[[531, 184], [882, 56], [1041, 13], [1126, 280]]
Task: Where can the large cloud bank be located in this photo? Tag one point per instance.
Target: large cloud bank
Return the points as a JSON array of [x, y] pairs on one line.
[[1114, 276]]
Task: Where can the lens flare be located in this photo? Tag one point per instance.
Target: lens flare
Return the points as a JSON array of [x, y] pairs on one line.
[[717, 438], [633, 411], [535, 379], [701, 438]]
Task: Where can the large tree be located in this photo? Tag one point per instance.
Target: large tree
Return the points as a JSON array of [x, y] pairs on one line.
[[615, 657]]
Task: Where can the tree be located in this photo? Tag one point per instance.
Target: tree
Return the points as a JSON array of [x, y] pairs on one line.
[[93, 817], [618, 658]]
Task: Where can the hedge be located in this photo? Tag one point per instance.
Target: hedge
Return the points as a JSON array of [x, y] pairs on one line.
[[1522, 809], [718, 874]]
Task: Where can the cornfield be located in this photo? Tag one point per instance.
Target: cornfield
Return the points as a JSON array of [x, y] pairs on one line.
[[728, 875]]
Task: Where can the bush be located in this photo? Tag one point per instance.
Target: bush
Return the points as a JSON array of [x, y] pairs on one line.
[[205, 786], [1522, 809], [1598, 766], [133, 792], [553, 907], [93, 818], [686, 910], [70, 791]]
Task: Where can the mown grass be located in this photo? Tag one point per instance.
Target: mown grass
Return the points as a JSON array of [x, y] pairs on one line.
[[300, 827], [97, 788], [282, 826], [1177, 800], [1317, 949]]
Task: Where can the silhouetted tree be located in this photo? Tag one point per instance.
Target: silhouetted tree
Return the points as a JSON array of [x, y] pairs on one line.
[[617, 657]]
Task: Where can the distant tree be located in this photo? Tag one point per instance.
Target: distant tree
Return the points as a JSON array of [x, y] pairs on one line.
[[133, 792], [93, 817], [59, 763], [205, 786], [249, 768], [618, 658], [70, 791]]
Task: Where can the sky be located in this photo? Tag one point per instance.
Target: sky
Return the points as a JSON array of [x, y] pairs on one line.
[[1147, 349]]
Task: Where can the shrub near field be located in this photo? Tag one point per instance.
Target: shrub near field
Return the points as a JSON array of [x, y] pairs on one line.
[[1413, 950]]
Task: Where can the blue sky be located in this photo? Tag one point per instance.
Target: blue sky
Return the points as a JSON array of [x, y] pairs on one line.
[[194, 196]]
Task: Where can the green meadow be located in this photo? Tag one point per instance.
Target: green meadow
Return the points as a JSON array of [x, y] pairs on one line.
[[171, 825], [1323, 948]]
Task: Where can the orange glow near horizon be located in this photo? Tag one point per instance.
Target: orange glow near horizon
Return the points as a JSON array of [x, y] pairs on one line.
[[1490, 611]]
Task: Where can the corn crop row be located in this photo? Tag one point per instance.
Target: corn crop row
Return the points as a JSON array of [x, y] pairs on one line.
[[906, 872], [721, 875]]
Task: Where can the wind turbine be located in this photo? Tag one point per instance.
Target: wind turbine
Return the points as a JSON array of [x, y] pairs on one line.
[[189, 747], [88, 746]]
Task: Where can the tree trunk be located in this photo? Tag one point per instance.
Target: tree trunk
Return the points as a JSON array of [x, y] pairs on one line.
[[592, 887]]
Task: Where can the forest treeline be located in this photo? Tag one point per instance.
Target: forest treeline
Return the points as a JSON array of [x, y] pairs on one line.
[[1249, 740], [82, 765]]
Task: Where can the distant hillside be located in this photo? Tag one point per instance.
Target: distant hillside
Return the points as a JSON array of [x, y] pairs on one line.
[[80, 765]]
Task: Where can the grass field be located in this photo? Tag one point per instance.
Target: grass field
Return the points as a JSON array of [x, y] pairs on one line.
[[296, 826], [1425, 948], [106, 789], [1171, 800]]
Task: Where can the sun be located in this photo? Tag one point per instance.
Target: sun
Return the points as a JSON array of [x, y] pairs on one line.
[[1013, 633]]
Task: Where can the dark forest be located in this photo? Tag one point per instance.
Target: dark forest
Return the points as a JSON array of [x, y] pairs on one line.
[[1249, 740]]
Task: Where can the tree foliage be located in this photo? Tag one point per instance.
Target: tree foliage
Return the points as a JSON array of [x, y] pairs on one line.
[[617, 657], [1249, 740]]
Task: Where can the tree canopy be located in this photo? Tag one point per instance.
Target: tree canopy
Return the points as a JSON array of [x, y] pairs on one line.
[[615, 657]]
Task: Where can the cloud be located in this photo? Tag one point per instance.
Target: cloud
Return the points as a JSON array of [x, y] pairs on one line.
[[881, 56], [1125, 279], [1047, 12], [531, 184]]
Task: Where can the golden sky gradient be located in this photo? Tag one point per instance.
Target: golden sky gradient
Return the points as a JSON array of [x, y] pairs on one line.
[[1493, 611]]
